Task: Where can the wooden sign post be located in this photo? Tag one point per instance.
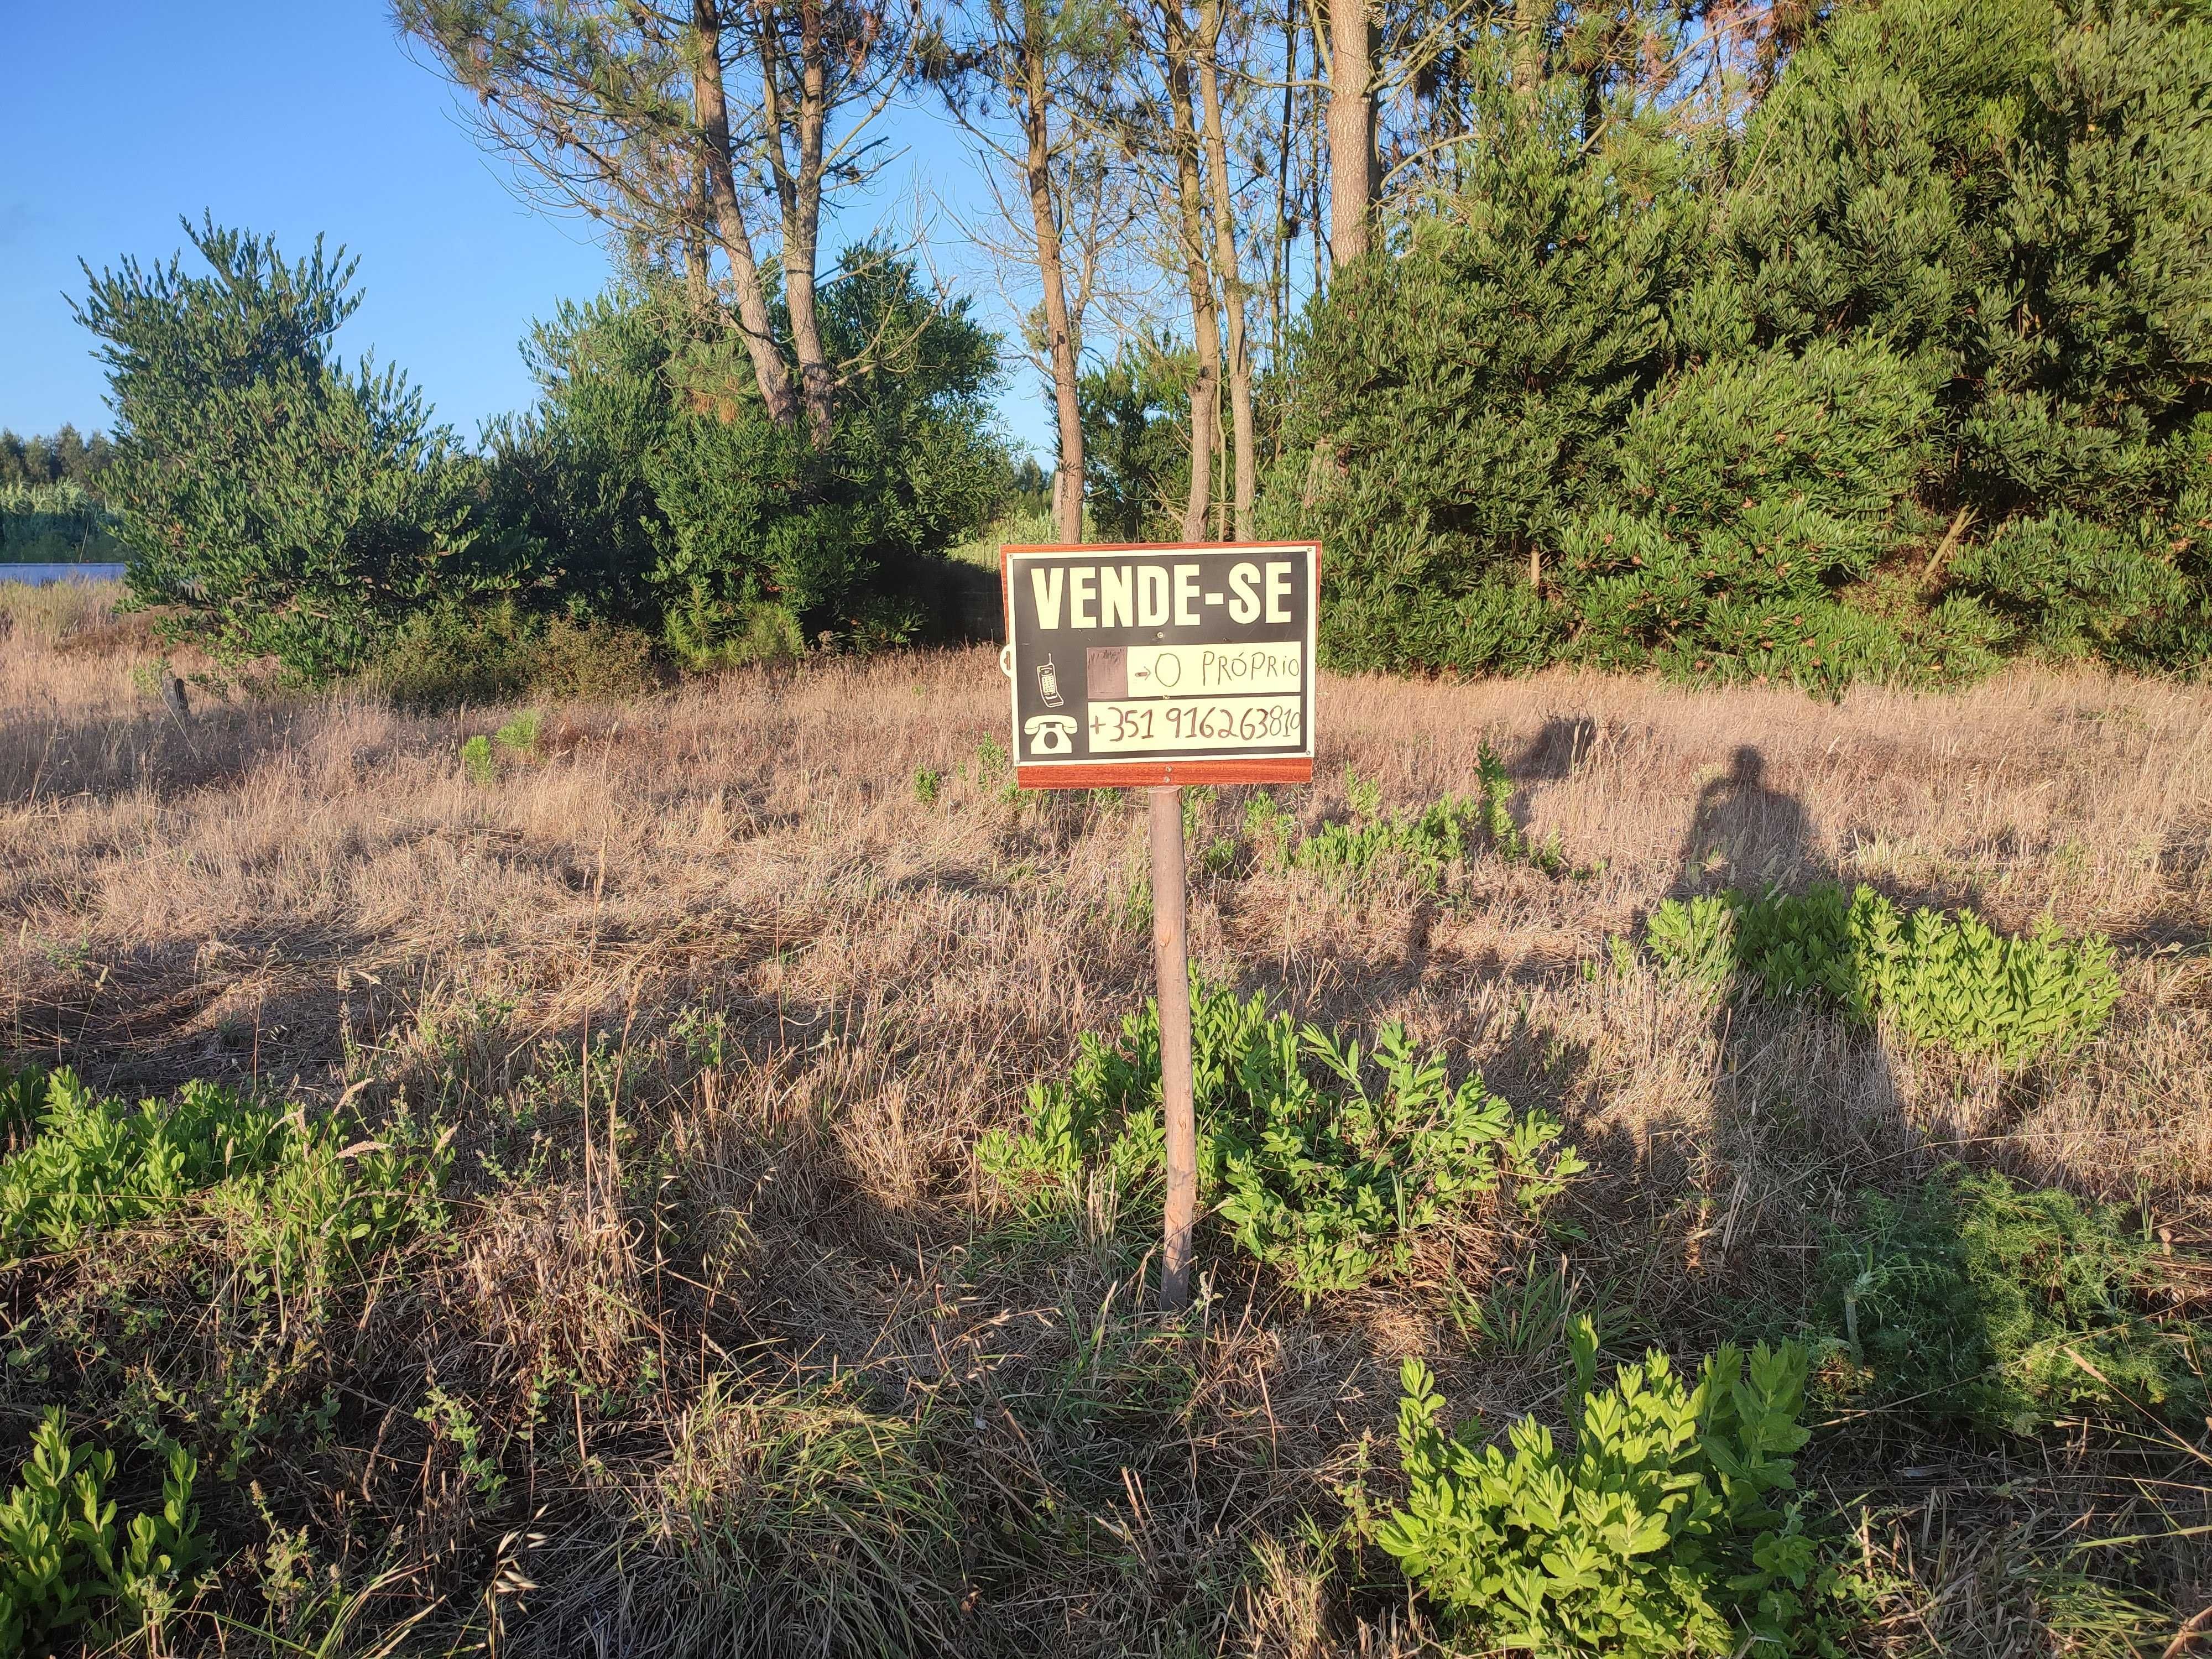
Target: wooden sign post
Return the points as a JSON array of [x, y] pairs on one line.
[[1158, 665]]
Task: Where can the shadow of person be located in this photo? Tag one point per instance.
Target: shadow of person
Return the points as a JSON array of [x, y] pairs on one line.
[[1560, 745], [1747, 835]]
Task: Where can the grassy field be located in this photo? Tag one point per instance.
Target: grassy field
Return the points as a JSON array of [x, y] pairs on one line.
[[658, 1301]]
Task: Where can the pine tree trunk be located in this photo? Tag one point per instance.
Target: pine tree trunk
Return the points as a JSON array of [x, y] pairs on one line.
[[1353, 185], [800, 196], [1061, 344], [1245, 462], [1529, 21], [1205, 328], [713, 111]]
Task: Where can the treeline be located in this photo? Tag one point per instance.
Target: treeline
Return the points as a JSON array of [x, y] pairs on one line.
[[280, 503], [51, 509], [1912, 371], [1750, 341]]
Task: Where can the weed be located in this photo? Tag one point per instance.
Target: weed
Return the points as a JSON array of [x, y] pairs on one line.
[[520, 735], [2005, 1306], [1522, 1315], [1423, 845], [805, 1510], [297, 1192], [1323, 1160], [449, 1416], [476, 761], [1660, 1534], [66, 1566], [927, 780], [1937, 978]]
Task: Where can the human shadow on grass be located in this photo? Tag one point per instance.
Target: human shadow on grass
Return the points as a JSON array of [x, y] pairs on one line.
[[1745, 834]]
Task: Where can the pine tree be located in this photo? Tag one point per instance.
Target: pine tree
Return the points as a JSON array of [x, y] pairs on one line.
[[274, 503]]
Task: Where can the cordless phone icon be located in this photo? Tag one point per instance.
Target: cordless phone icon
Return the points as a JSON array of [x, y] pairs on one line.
[[1048, 683]]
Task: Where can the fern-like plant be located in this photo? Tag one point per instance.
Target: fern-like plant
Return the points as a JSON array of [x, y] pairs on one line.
[[1936, 978], [1323, 1159], [1666, 1530]]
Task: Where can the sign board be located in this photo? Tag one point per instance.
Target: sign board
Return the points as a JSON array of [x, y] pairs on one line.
[[1151, 664]]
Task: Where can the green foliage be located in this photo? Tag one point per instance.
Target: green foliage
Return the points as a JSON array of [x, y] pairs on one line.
[[273, 503], [66, 1572], [520, 735], [449, 655], [666, 495], [2005, 1306], [476, 763], [1935, 977], [302, 1196], [927, 781], [1423, 845], [1453, 399], [1136, 441], [1668, 1530], [54, 523], [1663, 401], [1323, 1161]]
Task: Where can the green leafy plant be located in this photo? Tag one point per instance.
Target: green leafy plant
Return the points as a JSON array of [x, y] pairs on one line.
[[1935, 977], [927, 780], [520, 735], [1667, 1530], [1521, 1315], [66, 1566], [2004, 1307], [1323, 1159], [476, 763], [299, 1192]]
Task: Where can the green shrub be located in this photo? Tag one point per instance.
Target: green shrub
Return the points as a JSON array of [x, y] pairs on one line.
[[1424, 845], [520, 735], [449, 655], [275, 503], [299, 1192], [1666, 1531], [2005, 1306], [67, 1574], [1936, 978], [667, 497], [1324, 1161], [476, 763]]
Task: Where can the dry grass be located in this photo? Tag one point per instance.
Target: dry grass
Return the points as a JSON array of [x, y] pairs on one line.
[[719, 1007]]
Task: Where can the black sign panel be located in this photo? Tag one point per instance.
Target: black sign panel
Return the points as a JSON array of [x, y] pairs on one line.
[[1161, 663]]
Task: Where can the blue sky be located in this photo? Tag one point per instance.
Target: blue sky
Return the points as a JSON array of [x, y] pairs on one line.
[[293, 116]]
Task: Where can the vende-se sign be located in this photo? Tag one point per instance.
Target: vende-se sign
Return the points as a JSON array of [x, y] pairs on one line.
[[1159, 665]]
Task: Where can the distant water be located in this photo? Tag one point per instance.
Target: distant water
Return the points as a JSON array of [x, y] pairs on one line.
[[38, 576]]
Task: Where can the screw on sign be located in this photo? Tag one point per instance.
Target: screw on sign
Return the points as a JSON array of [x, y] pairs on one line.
[[1161, 665]]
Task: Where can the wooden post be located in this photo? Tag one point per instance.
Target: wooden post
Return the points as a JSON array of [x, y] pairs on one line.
[[1170, 967]]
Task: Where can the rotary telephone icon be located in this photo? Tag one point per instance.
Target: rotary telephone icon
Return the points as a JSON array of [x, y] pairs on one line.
[[1049, 735]]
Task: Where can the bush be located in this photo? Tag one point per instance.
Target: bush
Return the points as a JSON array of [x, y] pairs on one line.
[[1978, 1301], [665, 496], [1665, 1532], [1325, 1162], [446, 656], [1935, 977], [1452, 397], [1706, 405], [272, 502], [302, 1196], [67, 1572]]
